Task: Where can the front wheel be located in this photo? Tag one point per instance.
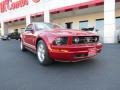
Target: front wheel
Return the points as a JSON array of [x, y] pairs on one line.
[[9, 38], [42, 53]]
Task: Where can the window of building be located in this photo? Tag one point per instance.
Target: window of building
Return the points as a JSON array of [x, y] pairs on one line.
[[117, 23], [83, 24], [100, 28], [99, 23], [117, 32], [69, 25]]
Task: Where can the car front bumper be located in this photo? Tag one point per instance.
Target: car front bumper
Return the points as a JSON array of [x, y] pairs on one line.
[[73, 53]]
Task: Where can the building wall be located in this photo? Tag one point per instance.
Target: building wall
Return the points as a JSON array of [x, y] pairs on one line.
[[61, 21], [19, 27], [91, 17], [75, 19], [33, 8], [118, 12]]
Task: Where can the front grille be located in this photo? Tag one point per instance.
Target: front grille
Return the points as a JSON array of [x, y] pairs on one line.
[[81, 55], [85, 39]]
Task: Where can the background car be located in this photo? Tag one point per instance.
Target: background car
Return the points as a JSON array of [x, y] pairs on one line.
[[52, 43], [14, 35], [5, 37], [11, 36]]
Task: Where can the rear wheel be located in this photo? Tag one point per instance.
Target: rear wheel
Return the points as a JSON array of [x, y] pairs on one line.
[[22, 47], [8, 38], [42, 53]]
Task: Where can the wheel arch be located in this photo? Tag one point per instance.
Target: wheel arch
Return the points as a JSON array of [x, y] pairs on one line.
[[38, 39]]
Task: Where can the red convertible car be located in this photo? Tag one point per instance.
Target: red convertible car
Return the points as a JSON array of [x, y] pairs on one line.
[[52, 43]]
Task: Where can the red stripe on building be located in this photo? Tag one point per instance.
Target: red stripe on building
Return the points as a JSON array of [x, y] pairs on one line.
[[78, 6]]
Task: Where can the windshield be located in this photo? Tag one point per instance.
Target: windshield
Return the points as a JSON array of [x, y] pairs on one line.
[[54, 26], [47, 26]]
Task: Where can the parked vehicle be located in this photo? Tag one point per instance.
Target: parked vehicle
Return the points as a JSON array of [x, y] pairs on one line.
[[14, 35], [11, 36], [5, 37], [53, 43]]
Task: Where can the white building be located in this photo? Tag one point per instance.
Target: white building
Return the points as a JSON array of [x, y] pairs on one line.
[[102, 14]]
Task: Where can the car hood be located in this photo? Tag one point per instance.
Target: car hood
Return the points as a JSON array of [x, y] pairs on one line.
[[70, 32]]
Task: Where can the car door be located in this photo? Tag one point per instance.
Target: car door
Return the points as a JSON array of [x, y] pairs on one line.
[[29, 36]]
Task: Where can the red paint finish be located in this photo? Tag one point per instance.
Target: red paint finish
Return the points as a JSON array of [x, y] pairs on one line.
[[68, 52], [75, 53]]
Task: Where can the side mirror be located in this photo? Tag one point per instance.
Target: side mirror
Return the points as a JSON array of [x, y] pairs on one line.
[[32, 31]]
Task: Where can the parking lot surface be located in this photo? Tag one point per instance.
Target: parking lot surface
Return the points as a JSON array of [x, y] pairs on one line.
[[22, 71]]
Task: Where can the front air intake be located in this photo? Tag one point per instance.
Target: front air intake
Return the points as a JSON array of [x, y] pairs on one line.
[[85, 39]]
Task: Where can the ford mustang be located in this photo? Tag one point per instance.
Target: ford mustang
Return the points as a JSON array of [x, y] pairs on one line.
[[52, 42]]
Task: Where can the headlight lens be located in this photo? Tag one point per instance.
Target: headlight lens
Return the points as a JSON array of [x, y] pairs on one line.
[[76, 40], [60, 41]]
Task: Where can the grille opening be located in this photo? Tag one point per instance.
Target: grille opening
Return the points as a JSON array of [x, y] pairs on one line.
[[81, 55], [61, 41], [85, 39]]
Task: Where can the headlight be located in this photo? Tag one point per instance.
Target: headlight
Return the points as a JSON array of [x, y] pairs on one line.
[[76, 40], [60, 41]]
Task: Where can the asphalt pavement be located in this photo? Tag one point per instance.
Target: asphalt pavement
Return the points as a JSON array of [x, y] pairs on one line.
[[22, 71]]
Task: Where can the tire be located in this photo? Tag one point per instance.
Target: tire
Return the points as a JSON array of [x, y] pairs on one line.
[[42, 53], [9, 38], [22, 47], [118, 39]]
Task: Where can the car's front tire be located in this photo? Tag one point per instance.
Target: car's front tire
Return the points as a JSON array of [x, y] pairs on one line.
[[22, 47], [42, 53]]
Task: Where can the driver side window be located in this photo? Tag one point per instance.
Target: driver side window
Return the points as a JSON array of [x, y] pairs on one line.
[[29, 27]]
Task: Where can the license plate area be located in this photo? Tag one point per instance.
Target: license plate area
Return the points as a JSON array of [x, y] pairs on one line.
[[92, 52]]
